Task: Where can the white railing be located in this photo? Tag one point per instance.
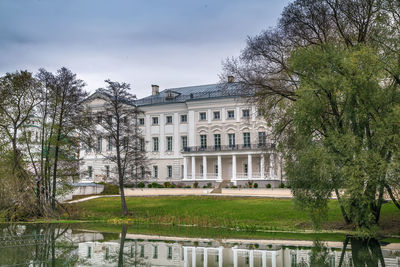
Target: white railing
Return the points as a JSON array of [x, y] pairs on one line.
[[200, 176]]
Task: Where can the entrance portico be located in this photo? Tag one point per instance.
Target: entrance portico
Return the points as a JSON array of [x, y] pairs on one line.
[[233, 167]]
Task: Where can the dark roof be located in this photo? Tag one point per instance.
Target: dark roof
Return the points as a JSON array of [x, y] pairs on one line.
[[190, 93]]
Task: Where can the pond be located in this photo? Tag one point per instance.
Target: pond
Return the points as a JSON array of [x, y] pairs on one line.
[[81, 245]]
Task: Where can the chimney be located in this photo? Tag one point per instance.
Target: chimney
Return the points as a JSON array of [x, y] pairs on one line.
[[155, 89], [230, 79]]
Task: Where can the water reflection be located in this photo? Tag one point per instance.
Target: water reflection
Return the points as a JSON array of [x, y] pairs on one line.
[[59, 245]]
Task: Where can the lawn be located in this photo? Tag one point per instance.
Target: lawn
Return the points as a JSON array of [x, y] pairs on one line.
[[231, 212]]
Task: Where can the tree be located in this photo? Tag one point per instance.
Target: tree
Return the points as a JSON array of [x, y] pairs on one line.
[[118, 122], [332, 113]]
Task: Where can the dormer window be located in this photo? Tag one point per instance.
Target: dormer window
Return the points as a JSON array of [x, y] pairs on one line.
[[169, 95]]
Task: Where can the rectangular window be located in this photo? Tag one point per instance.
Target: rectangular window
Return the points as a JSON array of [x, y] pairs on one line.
[[217, 141], [142, 144], [201, 169], [107, 171], [99, 119], [184, 118], [232, 140], [203, 141], [109, 144], [109, 119], [155, 171], [89, 252], [155, 144], [259, 112], [246, 139], [203, 116], [99, 142], [155, 120], [245, 113], [142, 251], [169, 171], [142, 171], [184, 142], [169, 143], [169, 119], [216, 169], [90, 172], [231, 114], [262, 138], [141, 121], [217, 115], [245, 168]]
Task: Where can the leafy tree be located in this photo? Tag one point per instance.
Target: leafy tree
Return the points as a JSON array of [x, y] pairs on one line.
[[118, 122], [327, 81]]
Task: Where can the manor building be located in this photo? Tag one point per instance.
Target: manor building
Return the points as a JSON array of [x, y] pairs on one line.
[[205, 134]]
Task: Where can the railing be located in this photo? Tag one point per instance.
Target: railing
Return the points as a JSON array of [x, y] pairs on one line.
[[227, 148], [199, 176]]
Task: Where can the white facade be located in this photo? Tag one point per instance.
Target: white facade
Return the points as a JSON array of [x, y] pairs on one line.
[[199, 134]]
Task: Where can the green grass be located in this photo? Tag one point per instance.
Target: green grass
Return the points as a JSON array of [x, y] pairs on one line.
[[228, 212]]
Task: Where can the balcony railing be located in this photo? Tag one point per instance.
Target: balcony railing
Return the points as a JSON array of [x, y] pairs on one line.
[[228, 148]]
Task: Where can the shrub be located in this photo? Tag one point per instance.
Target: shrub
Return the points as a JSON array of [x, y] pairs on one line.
[[268, 186], [255, 185], [172, 185], [195, 185], [234, 186], [209, 185], [167, 184], [149, 185], [282, 185], [141, 185], [110, 189], [156, 185], [250, 184]]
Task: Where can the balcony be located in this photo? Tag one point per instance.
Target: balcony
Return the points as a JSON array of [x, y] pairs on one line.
[[193, 149]]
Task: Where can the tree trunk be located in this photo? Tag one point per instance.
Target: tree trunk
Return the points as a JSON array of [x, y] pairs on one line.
[[121, 246], [346, 218]]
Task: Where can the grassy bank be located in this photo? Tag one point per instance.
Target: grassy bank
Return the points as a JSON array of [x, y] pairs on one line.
[[230, 212]]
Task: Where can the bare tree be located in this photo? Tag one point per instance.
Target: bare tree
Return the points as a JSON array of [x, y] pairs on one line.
[[118, 121]]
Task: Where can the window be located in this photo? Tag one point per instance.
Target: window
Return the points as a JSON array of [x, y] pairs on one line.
[[169, 253], [169, 171], [245, 169], [262, 138], [203, 116], [142, 144], [217, 141], [142, 171], [201, 169], [169, 119], [155, 120], [184, 142], [90, 172], [155, 144], [125, 120], [99, 141], [109, 119], [107, 171], [169, 143], [216, 169], [155, 171], [99, 118], [203, 141], [217, 115], [246, 139], [89, 252], [141, 251], [141, 121], [231, 140], [155, 254], [245, 113], [259, 112], [184, 118], [231, 114], [109, 145]]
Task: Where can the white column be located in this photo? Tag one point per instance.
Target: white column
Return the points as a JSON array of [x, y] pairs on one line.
[[176, 140], [271, 166], [204, 167], [262, 167], [193, 167], [219, 168], [194, 256], [235, 260], [264, 259], [273, 258], [205, 257], [161, 141], [184, 168], [234, 169], [251, 258], [191, 132], [220, 259], [185, 258], [249, 167]]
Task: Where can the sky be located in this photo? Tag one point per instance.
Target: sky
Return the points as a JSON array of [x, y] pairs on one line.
[[171, 43]]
